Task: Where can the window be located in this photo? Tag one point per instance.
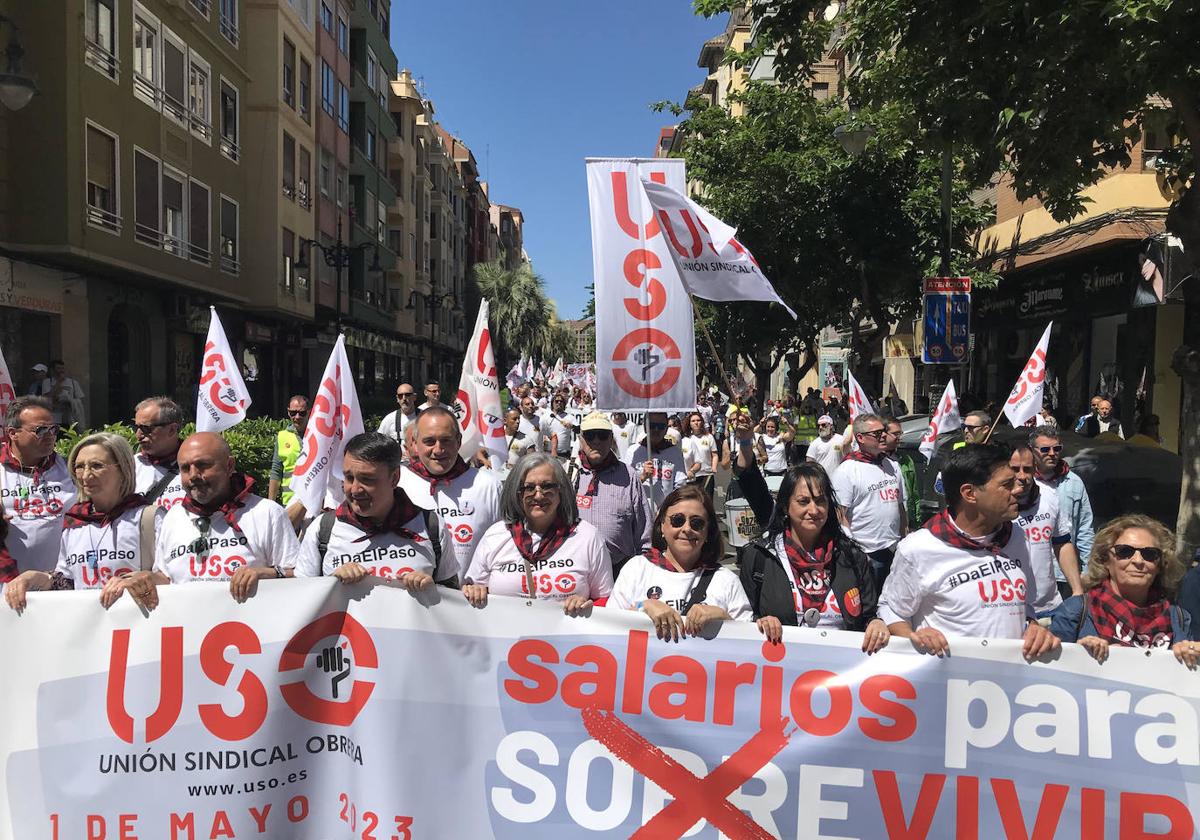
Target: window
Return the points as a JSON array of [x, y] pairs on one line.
[[303, 178], [820, 90], [287, 279], [381, 222], [202, 6], [372, 71], [100, 37], [328, 92], [342, 178], [289, 72], [174, 87], [229, 20], [101, 151], [399, 127], [326, 17], [289, 166], [343, 108], [396, 240], [326, 176], [369, 218], [370, 141], [198, 213], [229, 235], [303, 10], [229, 121], [173, 217], [305, 88], [145, 199], [382, 87], [145, 56], [343, 36], [384, 22], [199, 97]]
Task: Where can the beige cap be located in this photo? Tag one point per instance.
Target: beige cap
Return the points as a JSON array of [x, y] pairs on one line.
[[597, 420]]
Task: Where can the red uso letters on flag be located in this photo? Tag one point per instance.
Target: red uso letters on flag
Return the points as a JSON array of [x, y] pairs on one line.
[[1026, 398], [222, 398]]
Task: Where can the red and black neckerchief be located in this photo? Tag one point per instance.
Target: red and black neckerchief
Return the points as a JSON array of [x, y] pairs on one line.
[[594, 470], [240, 486], [1060, 472], [942, 526], [35, 471], [418, 467], [85, 513], [810, 570], [403, 511], [863, 458], [8, 566], [168, 461], [1123, 622], [551, 541]]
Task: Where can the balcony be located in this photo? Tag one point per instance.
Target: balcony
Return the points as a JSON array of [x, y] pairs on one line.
[[229, 29], [102, 218], [102, 60], [230, 148], [202, 7]]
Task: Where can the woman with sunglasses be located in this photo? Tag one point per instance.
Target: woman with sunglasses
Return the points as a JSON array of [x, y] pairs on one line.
[[1132, 577], [680, 583], [104, 537], [540, 548]]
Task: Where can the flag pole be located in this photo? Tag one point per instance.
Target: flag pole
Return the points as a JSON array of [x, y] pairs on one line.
[[712, 347], [992, 428]]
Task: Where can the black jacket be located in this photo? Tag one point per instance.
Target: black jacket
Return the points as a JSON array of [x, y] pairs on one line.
[[766, 582]]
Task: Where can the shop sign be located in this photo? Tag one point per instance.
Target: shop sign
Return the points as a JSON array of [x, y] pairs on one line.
[[24, 286], [259, 333], [1084, 287]]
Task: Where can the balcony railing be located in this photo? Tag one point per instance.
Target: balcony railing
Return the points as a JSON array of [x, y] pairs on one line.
[[201, 127], [202, 6], [147, 235], [102, 218], [229, 260], [174, 107], [229, 29], [230, 148], [102, 60], [199, 253], [289, 190], [147, 90]]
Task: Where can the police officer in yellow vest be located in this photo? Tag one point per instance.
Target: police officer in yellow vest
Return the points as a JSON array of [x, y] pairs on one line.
[[287, 451]]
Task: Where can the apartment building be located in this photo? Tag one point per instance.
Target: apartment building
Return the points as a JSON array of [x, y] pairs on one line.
[[509, 223], [332, 199], [406, 227]]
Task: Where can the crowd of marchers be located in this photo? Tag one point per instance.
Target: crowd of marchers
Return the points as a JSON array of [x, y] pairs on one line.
[[592, 510]]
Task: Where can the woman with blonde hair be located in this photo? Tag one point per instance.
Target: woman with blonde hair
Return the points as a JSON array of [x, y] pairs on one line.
[[1133, 574], [105, 533]]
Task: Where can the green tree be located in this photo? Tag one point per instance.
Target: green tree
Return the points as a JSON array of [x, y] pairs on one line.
[[1055, 94], [589, 309]]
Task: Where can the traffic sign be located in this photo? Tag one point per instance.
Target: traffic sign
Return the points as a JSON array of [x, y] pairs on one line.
[[947, 314]]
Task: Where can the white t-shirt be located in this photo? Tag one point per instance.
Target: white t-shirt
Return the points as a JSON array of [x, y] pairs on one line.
[[625, 437], [562, 426], [673, 435], [518, 445], [707, 413], [146, 475], [827, 453], [776, 448], [830, 611], [395, 424], [669, 472], [699, 449], [967, 593], [36, 504], [91, 554], [385, 555], [532, 430], [579, 567], [466, 507], [641, 579], [266, 538], [1044, 527], [873, 496]]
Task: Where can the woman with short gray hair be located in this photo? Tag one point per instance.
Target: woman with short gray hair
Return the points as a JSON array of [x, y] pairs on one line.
[[540, 549]]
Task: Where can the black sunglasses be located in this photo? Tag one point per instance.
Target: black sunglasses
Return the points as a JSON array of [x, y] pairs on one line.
[[677, 520], [1046, 450], [1150, 554], [148, 428], [297, 412], [596, 435]]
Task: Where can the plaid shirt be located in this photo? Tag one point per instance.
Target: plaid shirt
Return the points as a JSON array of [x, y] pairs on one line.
[[618, 510]]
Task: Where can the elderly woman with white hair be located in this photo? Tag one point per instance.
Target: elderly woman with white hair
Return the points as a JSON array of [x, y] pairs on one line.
[[107, 534], [540, 548]]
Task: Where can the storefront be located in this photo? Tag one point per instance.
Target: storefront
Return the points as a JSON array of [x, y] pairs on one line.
[[31, 308]]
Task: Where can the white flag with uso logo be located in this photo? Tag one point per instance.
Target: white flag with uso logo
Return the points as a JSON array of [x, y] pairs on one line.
[[857, 401], [8, 391], [222, 400], [945, 419], [1026, 398], [477, 405], [334, 419]]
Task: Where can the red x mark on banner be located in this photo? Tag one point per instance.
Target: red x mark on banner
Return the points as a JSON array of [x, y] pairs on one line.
[[695, 798]]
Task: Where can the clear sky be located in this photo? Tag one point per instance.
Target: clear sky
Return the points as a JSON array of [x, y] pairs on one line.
[[535, 86]]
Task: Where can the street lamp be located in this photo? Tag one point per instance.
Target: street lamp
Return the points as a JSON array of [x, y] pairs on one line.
[[16, 89], [433, 302], [337, 256], [853, 138]]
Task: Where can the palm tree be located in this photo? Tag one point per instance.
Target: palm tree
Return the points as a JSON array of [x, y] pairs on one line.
[[520, 313]]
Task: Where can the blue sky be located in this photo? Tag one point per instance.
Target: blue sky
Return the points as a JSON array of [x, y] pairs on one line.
[[535, 86]]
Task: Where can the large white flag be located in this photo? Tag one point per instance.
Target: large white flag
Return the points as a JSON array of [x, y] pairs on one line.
[[945, 419], [1026, 398], [222, 399], [558, 375], [857, 401], [8, 390], [712, 264], [516, 376], [335, 418], [477, 405]]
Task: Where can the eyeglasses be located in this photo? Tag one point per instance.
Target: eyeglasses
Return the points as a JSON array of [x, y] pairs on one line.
[[547, 488], [1046, 450], [596, 436], [878, 434], [96, 467], [402, 394], [147, 429], [40, 431], [973, 427], [1149, 553], [677, 520]]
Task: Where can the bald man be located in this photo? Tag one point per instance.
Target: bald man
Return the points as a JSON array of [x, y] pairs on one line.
[[221, 531]]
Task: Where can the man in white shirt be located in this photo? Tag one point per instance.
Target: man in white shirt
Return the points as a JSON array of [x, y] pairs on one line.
[[157, 421], [518, 442], [394, 424], [967, 572], [465, 498], [1047, 530], [433, 396], [870, 490], [625, 432], [35, 487], [659, 461], [531, 423], [64, 393], [560, 428], [826, 450]]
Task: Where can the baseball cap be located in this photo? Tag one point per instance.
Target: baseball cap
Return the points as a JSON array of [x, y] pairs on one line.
[[40, 368], [824, 418], [596, 421]]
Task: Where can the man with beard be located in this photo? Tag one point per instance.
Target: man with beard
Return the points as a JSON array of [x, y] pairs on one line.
[[659, 461], [157, 421], [609, 494], [466, 498], [826, 450], [1046, 530], [1054, 475]]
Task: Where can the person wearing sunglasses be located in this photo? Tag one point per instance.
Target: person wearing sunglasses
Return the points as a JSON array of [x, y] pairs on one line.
[[1055, 476], [541, 549], [107, 534], [659, 461], [1047, 530], [609, 493], [871, 489], [157, 421], [559, 428], [394, 423], [679, 583], [1128, 594], [288, 443], [35, 484], [975, 428]]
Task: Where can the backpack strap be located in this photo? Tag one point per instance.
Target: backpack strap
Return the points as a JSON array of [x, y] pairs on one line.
[[434, 529], [699, 591], [1082, 615], [757, 572], [146, 537], [324, 530], [157, 488]]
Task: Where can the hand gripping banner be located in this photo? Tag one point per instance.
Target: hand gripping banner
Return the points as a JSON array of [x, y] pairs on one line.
[[320, 710]]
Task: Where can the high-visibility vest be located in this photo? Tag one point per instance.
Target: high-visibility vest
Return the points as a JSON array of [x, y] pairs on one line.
[[287, 445]]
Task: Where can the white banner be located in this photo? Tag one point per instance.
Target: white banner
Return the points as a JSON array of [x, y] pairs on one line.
[[712, 263], [645, 345], [334, 419], [8, 389], [945, 419], [320, 710], [477, 404], [222, 398], [857, 401], [1026, 398]]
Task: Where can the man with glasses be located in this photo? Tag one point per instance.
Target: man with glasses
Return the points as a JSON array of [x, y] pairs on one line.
[[659, 461], [157, 421], [433, 396], [395, 423], [870, 489], [826, 450], [1055, 476], [975, 426], [288, 443], [608, 492], [35, 486]]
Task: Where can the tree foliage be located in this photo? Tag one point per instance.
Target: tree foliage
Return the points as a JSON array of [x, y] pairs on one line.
[[522, 318]]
